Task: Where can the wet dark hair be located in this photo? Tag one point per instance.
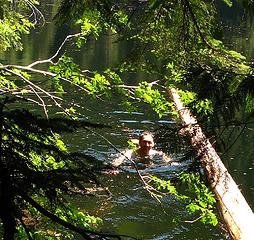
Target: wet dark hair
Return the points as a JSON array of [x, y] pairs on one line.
[[145, 133]]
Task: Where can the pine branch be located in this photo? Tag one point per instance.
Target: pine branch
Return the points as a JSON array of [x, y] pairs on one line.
[[87, 234]]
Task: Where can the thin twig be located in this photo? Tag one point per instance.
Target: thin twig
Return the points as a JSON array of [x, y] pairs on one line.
[[193, 221], [42, 102]]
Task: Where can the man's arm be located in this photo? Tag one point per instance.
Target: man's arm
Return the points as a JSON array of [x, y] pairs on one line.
[[123, 157]]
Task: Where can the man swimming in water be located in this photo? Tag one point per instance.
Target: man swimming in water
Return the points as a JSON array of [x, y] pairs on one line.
[[145, 153]]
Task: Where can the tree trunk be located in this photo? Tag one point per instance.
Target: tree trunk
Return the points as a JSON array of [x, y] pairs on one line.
[[233, 207]]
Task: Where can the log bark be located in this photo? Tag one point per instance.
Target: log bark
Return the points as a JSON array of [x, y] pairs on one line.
[[234, 209]]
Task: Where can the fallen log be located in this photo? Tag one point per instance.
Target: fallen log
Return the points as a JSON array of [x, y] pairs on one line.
[[235, 211]]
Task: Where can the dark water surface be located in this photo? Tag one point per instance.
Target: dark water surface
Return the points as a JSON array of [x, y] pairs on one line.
[[130, 209]]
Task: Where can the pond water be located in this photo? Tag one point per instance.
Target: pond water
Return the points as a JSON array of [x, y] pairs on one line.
[[129, 209]]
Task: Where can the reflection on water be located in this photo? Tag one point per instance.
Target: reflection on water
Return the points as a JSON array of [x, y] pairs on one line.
[[239, 159], [130, 209]]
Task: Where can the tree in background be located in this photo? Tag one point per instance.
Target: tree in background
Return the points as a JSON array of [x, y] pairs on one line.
[[172, 40], [178, 42]]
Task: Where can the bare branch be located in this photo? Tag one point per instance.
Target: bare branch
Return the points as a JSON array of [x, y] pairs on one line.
[[42, 102], [36, 13], [45, 73], [50, 60]]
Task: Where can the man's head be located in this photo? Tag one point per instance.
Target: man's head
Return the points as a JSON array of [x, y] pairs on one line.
[[146, 142]]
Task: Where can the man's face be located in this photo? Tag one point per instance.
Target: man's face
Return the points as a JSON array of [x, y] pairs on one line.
[[146, 143]]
